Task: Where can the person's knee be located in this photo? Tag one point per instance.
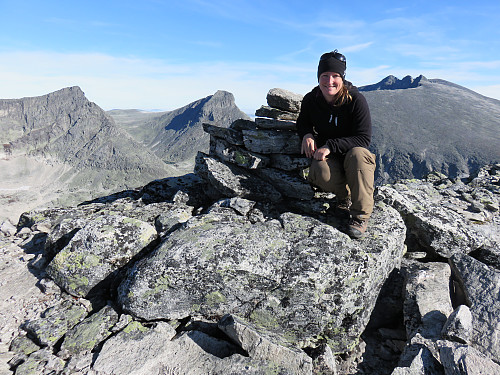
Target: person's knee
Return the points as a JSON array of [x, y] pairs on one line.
[[319, 172], [358, 158]]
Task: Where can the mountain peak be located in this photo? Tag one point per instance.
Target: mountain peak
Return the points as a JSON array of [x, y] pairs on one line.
[[393, 83], [73, 91]]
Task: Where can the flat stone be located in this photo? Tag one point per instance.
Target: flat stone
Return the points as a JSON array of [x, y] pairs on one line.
[[237, 155], [232, 181], [267, 123], [229, 135], [457, 357], [89, 333], [289, 184], [260, 347], [272, 141], [55, 322], [289, 162], [275, 113], [284, 100]]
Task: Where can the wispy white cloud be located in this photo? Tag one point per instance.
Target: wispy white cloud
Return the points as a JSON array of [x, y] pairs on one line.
[[424, 52], [356, 47]]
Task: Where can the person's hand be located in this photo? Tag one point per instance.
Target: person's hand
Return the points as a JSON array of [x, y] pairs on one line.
[[308, 145], [321, 153]]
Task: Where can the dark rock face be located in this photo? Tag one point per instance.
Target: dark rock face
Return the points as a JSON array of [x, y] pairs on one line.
[[244, 285], [66, 126], [177, 136], [393, 83], [422, 126]]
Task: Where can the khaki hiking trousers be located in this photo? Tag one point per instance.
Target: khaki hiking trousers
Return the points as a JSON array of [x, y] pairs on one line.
[[348, 176]]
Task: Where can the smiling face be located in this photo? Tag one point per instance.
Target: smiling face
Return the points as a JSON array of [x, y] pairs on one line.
[[330, 84]]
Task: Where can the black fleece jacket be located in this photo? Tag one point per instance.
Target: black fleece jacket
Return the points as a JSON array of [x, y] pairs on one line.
[[339, 127]]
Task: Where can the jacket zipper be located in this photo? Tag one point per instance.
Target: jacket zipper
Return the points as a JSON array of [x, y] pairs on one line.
[[331, 117]]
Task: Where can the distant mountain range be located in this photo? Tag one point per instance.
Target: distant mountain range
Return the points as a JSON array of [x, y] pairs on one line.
[[422, 125], [62, 148]]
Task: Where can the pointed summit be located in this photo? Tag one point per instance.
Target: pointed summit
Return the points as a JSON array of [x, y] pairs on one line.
[[393, 83]]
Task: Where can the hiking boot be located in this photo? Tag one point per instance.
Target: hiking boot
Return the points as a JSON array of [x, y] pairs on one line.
[[342, 208], [357, 228]]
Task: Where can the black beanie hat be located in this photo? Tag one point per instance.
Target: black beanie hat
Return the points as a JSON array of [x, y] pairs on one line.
[[332, 62]]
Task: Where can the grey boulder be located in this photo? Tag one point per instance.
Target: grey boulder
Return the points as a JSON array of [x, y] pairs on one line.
[[294, 276], [98, 250]]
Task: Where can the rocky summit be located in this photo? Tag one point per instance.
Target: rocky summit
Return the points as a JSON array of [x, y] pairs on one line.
[[243, 268]]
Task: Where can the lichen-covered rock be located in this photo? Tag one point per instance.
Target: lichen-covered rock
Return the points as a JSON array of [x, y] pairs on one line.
[[232, 181], [482, 287], [440, 217], [41, 362], [72, 220], [55, 322], [87, 334], [45, 217], [237, 155], [296, 277], [98, 250], [22, 346]]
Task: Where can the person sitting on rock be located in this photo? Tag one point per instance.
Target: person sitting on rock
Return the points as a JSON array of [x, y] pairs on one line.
[[335, 127]]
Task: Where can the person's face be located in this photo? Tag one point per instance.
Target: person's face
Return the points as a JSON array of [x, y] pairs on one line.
[[330, 84]]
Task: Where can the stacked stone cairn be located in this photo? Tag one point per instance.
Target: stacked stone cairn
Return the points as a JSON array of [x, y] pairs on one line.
[[259, 160]]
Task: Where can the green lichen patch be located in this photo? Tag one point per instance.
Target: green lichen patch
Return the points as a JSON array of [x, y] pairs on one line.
[[90, 332], [264, 319], [214, 298], [55, 322]]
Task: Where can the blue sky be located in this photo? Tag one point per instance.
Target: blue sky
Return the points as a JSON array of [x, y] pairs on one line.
[[156, 54]]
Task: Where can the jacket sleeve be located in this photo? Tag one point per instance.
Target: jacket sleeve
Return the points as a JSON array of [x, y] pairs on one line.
[[361, 129], [304, 124]]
